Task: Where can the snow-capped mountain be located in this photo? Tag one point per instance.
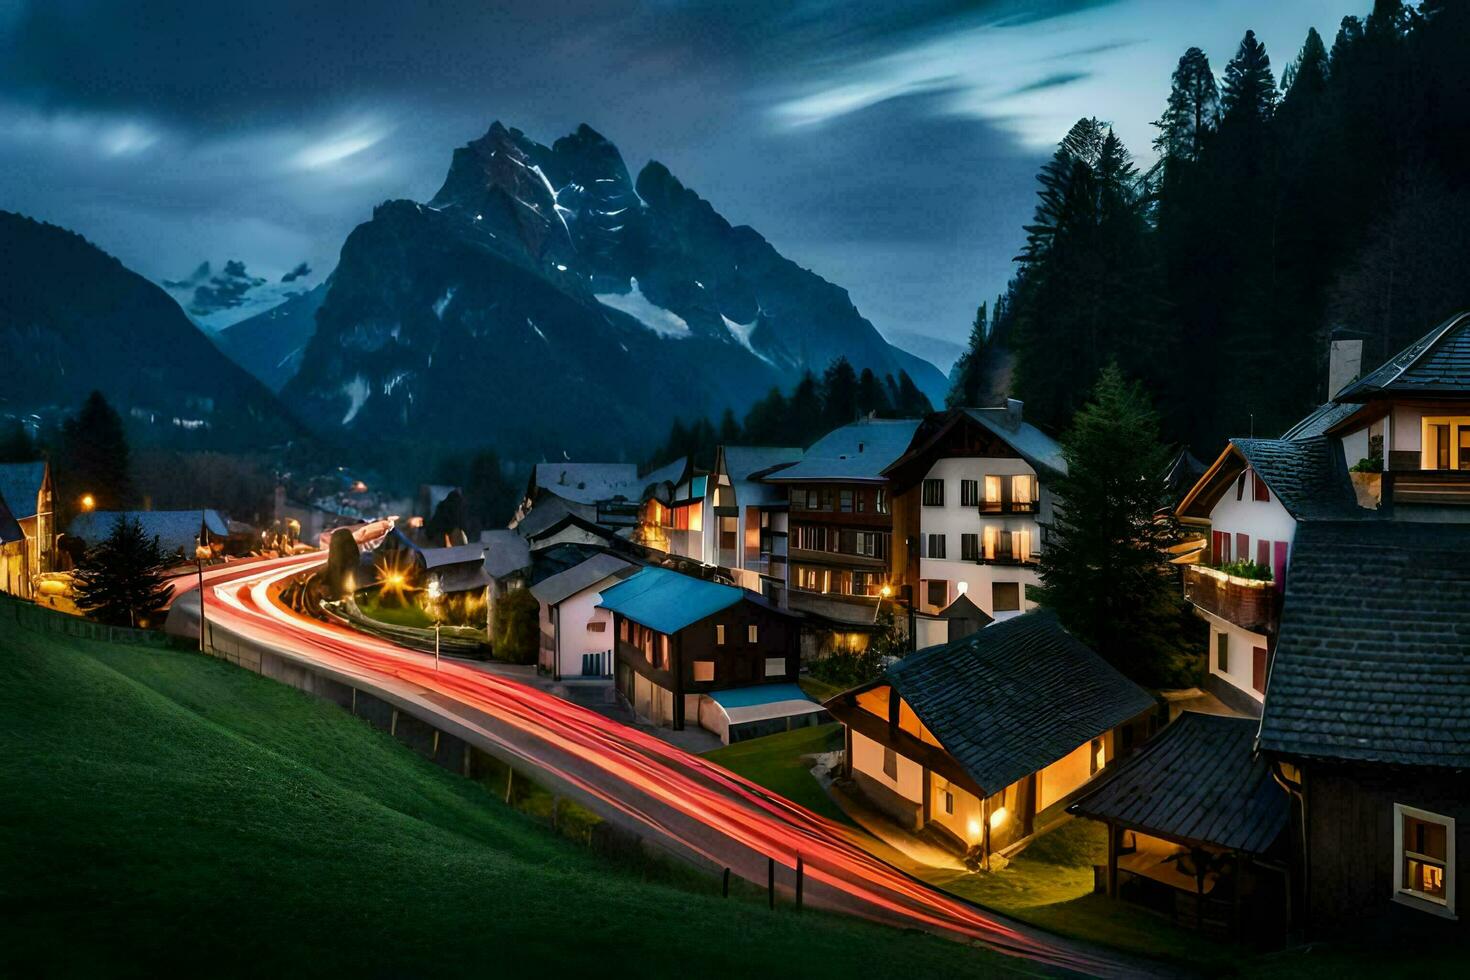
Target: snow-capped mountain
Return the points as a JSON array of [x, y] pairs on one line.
[[544, 301], [219, 298]]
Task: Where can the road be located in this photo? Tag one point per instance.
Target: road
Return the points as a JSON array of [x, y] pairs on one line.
[[693, 806]]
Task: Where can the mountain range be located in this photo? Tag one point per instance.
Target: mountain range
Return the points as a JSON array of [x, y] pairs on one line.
[[545, 301]]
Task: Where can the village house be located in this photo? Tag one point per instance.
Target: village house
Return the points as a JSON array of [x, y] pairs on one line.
[[576, 634], [970, 502], [178, 532], [602, 493], [840, 525], [28, 549], [694, 651], [1338, 557], [971, 741]]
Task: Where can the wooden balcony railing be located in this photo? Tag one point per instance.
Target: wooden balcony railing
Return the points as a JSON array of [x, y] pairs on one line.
[[1248, 603], [1428, 487]]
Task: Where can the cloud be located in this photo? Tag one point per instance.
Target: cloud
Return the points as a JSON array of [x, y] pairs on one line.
[[1054, 80], [302, 269]]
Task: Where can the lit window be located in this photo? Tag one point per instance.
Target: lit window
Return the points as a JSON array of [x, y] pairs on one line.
[[704, 671], [992, 493], [1023, 491], [775, 666], [720, 634], [880, 501], [752, 633], [1425, 847]]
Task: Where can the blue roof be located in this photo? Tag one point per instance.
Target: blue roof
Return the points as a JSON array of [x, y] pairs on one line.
[[666, 601], [857, 451], [745, 697], [20, 486]]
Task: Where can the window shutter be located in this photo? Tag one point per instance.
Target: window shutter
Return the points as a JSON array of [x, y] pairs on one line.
[[1242, 546], [1258, 669], [1263, 553]]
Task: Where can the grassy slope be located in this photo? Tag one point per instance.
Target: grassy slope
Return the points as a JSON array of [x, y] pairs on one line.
[[162, 812], [777, 762]]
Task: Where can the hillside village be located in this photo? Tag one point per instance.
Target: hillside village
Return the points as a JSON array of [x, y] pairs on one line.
[[1304, 785]]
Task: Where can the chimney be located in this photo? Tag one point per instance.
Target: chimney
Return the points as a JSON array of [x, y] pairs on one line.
[[860, 447], [1344, 362], [1013, 411]]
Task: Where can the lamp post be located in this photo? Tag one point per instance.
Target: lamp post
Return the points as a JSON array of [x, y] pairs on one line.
[[200, 553], [434, 593]]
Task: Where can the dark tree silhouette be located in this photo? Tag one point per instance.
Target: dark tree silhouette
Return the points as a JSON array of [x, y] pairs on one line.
[[121, 581]]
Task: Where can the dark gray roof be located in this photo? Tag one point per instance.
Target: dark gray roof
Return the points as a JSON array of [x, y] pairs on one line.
[[20, 486], [1322, 418], [563, 585], [1438, 363], [858, 451], [1034, 446], [1373, 658], [1197, 782], [1015, 697], [1307, 475], [506, 552], [587, 483], [744, 462]]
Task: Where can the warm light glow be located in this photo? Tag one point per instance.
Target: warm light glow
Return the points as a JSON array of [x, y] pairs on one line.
[[886, 591], [962, 587], [434, 589], [415, 522], [88, 501], [998, 818], [202, 552], [973, 827], [359, 487]]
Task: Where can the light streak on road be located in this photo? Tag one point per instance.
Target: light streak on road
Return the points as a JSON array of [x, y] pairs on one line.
[[683, 798]]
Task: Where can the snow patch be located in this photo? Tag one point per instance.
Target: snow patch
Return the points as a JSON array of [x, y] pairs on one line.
[[395, 381], [357, 391], [655, 318], [741, 332], [532, 324], [442, 303]]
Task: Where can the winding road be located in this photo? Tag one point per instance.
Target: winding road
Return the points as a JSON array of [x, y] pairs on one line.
[[683, 801]]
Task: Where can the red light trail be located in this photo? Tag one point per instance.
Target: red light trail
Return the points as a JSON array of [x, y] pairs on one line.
[[683, 798]]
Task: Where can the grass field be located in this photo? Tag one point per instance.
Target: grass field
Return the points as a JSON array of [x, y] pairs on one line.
[[166, 814], [405, 613], [778, 763]]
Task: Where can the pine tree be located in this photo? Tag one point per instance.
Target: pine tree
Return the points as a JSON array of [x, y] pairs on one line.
[[872, 399], [1191, 113], [490, 498], [839, 394], [729, 429], [805, 415], [121, 581], [966, 377], [766, 418], [1105, 570], [97, 460], [912, 403], [16, 444], [1248, 96]]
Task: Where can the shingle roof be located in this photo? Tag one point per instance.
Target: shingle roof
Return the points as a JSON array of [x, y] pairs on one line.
[[563, 585], [9, 530], [859, 451], [1015, 697], [1438, 363], [1197, 782], [506, 552], [666, 601], [175, 529], [1307, 475], [1321, 418], [453, 555], [1373, 659], [20, 486], [742, 462], [1034, 446]]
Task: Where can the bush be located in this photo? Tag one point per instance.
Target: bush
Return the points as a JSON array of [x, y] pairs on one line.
[[1368, 464], [1245, 568], [515, 628]]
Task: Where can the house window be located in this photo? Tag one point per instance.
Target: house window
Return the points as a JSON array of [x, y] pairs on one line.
[[938, 592], [597, 627], [1023, 492], [719, 634], [1446, 443], [969, 493], [992, 494], [752, 633], [1005, 597], [1424, 845], [949, 803], [880, 501], [970, 547], [890, 763], [775, 666], [936, 545], [844, 501], [866, 543], [704, 671], [933, 493], [1222, 652]]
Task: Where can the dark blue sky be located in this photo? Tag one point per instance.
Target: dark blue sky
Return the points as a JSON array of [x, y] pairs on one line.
[[890, 147]]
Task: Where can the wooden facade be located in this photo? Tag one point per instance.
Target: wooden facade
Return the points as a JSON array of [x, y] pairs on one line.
[[839, 538]]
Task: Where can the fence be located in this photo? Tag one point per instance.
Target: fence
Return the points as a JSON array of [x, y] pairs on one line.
[[38, 619]]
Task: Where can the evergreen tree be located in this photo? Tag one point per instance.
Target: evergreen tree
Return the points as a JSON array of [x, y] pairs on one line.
[[1248, 96], [872, 399], [490, 498], [766, 419], [1305, 79], [447, 524], [805, 412], [96, 458], [912, 403], [839, 394], [966, 377], [1191, 112], [121, 580], [1105, 571], [729, 429]]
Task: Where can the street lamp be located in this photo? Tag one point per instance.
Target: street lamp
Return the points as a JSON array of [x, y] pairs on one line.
[[434, 593], [88, 501], [201, 552]]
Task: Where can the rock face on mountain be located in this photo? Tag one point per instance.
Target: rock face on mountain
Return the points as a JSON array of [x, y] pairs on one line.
[[269, 344], [543, 301], [74, 319]]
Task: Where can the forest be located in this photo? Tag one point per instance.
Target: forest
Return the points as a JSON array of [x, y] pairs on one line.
[[1331, 201]]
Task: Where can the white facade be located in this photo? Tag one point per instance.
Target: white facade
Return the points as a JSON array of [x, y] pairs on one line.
[[580, 634], [954, 574]]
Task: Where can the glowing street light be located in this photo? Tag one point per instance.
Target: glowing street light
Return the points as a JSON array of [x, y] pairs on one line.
[[435, 591], [88, 501]]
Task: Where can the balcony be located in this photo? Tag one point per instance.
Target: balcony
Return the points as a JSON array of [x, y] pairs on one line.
[[1007, 506], [1251, 604], [1433, 488]]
